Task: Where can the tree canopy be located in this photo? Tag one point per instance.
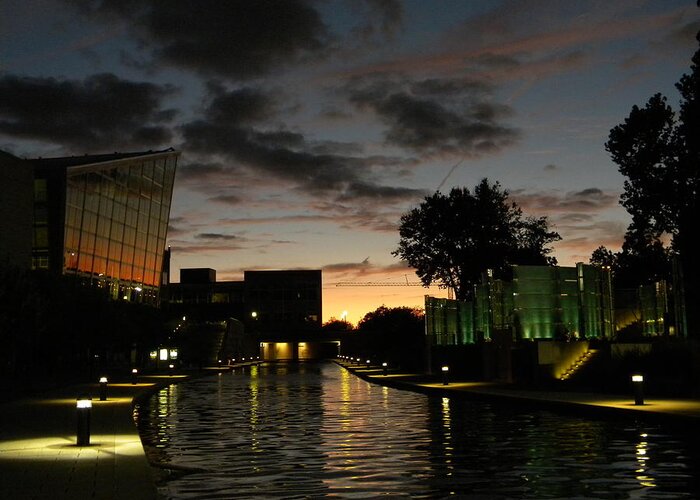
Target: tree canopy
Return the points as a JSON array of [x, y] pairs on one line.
[[643, 259], [452, 239], [658, 151]]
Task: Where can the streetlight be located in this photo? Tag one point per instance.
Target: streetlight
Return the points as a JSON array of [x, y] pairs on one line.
[[103, 388], [83, 406], [445, 375], [638, 383], [384, 366], [134, 375]]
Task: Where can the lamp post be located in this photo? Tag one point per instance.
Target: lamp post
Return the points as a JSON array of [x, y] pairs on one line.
[[445, 375], [638, 383], [103, 388], [384, 367], [134, 375], [368, 363], [83, 407]]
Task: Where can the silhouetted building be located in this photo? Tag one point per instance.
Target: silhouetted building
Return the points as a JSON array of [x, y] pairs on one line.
[[102, 219], [15, 212], [283, 301], [268, 302]]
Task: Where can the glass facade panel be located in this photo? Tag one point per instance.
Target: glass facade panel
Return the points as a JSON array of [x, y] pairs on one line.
[[115, 224]]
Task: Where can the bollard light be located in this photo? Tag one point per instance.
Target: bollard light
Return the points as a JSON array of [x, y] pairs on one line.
[[171, 367], [638, 383], [445, 375], [384, 366], [83, 407], [134, 375], [103, 388], [368, 363]]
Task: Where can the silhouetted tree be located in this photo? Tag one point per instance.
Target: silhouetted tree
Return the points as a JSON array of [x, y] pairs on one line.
[[336, 325], [659, 153], [603, 257], [643, 259], [394, 335], [454, 238]]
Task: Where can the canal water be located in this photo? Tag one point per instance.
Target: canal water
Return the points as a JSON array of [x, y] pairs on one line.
[[314, 430]]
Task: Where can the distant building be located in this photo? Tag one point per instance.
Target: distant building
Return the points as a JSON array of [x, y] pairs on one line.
[[268, 302], [284, 301], [102, 219]]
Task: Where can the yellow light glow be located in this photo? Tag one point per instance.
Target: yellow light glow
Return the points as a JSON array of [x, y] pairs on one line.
[[637, 378], [445, 368], [84, 404], [63, 448], [163, 354]]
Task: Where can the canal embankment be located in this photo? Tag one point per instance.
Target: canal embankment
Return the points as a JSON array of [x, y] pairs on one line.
[[39, 455], [579, 403]]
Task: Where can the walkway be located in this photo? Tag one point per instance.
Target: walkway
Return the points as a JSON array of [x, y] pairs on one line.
[[675, 409], [39, 457]]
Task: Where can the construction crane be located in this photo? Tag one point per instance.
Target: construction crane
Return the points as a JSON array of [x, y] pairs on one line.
[[393, 283]]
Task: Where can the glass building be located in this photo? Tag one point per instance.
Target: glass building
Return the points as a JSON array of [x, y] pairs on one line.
[[539, 302], [104, 218]]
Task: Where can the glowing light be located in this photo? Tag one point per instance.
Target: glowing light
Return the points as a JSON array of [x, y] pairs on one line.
[[84, 403], [637, 378], [163, 356]]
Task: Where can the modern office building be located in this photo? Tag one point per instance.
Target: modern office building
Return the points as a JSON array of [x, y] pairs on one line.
[[270, 302], [103, 219], [539, 302]]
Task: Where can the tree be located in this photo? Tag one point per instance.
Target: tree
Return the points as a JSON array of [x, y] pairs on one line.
[[394, 335], [603, 257], [643, 259], [454, 238], [659, 153], [336, 325]]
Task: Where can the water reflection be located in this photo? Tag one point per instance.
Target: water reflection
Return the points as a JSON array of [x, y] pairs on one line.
[[315, 430]]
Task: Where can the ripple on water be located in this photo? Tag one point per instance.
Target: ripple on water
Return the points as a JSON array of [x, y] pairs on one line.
[[314, 430]]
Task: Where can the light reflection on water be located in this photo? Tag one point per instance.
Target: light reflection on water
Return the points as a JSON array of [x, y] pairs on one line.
[[314, 430]]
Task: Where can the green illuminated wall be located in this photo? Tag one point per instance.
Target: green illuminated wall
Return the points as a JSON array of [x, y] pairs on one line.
[[541, 302]]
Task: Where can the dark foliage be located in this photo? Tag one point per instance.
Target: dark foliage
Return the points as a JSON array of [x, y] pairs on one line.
[[658, 151], [392, 334], [454, 238]]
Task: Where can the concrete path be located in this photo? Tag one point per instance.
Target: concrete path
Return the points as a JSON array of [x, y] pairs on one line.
[[660, 408], [39, 457]]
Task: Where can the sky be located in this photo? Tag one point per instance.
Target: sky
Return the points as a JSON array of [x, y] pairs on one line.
[[307, 128]]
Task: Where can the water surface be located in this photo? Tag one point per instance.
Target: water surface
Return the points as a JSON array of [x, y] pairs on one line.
[[314, 430]]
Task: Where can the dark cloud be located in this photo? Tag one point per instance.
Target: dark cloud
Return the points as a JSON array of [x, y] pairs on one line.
[[238, 39], [215, 236], [380, 19], [84, 116], [433, 116], [585, 200], [227, 199], [314, 168]]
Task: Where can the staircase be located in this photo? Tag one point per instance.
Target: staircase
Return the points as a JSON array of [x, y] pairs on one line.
[[579, 363]]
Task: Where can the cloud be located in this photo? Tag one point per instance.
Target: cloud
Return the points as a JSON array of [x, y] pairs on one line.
[[85, 116], [215, 236], [586, 200], [237, 39], [436, 116], [248, 139], [381, 19]]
